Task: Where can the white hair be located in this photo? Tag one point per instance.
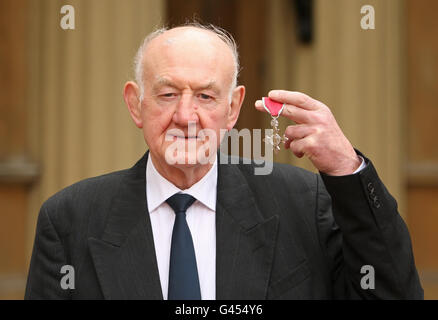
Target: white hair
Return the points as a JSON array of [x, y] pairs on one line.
[[221, 33]]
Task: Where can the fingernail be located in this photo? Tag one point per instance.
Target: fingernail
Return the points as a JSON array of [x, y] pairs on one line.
[[274, 94]]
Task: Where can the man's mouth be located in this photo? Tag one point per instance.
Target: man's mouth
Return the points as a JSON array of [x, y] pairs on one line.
[[184, 137]]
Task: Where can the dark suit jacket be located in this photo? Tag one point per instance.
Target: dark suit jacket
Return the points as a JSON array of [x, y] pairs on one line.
[[276, 238]]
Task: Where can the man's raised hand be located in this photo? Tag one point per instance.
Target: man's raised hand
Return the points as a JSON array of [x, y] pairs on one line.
[[316, 133]]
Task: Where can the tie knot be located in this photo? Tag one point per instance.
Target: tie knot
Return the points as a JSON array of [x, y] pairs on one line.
[[180, 202]]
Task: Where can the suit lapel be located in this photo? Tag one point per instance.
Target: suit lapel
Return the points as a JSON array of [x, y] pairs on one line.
[[124, 257], [125, 260], [245, 240]]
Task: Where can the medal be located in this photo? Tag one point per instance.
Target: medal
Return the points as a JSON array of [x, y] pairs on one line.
[[274, 108]]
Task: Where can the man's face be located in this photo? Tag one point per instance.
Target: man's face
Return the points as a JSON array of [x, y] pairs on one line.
[[187, 80]]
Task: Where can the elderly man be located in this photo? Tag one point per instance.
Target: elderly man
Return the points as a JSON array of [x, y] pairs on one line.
[[192, 229]]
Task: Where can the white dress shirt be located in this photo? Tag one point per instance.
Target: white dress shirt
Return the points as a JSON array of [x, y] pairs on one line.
[[201, 220]]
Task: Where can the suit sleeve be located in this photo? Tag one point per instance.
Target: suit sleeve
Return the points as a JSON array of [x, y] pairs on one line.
[[48, 257], [361, 231]]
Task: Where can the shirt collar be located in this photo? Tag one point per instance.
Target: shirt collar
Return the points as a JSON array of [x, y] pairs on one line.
[[159, 189]]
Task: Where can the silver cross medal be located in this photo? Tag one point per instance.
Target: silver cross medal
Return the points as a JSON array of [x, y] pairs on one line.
[[274, 108]]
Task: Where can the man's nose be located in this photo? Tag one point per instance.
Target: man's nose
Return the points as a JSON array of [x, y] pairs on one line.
[[186, 111]]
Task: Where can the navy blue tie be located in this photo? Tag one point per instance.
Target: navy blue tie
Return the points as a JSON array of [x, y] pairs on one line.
[[183, 273]]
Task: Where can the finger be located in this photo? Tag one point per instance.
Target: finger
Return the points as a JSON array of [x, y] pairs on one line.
[[300, 147], [298, 131], [297, 147], [291, 112], [296, 114], [306, 146], [295, 98], [259, 105]]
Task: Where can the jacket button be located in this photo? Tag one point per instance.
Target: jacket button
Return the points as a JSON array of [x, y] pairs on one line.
[[373, 197], [377, 203]]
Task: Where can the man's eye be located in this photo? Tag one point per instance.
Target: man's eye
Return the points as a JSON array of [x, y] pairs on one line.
[[204, 96], [168, 95]]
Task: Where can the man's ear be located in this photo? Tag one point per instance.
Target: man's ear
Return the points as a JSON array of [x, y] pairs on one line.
[[131, 95], [236, 103]]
